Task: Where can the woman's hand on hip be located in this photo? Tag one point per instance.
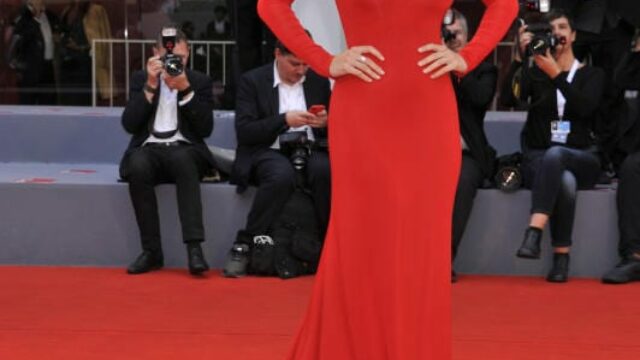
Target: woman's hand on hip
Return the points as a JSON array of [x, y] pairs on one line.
[[358, 61], [441, 60]]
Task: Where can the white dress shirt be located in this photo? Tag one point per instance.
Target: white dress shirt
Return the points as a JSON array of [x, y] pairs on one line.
[[47, 36], [291, 98], [167, 115]]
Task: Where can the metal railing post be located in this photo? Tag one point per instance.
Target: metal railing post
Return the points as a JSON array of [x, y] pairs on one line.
[[94, 101]]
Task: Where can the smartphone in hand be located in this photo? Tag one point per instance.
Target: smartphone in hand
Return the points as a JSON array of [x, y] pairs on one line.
[[315, 109]]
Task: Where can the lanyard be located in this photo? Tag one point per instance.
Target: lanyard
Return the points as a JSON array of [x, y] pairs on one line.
[[560, 98]]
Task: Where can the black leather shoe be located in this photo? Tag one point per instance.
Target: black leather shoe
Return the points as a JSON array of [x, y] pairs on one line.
[[237, 262], [626, 271], [146, 262], [197, 263], [560, 270], [530, 248]]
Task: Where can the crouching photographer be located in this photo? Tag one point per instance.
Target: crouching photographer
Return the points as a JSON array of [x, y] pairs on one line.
[[560, 154], [281, 122]]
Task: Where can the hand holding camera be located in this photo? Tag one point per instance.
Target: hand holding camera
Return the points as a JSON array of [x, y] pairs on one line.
[[179, 82], [547, 64], [524, 39], [154, 69], [168, 62]]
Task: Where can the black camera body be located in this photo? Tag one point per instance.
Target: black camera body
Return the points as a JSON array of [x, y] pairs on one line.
[[448, 19], [508, 176], [542, 39], [297, 146], [172, 62]]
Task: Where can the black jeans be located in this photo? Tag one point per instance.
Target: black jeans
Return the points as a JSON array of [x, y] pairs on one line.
[[151, 165], [554, 175], [275, 177], [628, 198], [469, 182]]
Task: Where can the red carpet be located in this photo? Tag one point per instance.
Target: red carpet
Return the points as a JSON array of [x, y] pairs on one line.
[[81, 313]]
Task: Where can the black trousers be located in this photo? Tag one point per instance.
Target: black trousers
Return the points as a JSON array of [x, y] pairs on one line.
[[151, 165], [75, 82], [469, 182], [554, 176], [275, 178], [628, 198], [41, 92]]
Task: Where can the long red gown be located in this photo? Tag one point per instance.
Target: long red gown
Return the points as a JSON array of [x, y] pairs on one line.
[[383, 287]]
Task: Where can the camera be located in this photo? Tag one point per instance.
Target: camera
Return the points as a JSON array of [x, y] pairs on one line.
[[297, 146], [172, 63], [508, 176], [448, 19], [542, 39]]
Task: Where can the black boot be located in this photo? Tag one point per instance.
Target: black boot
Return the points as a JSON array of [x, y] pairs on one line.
[[197, 263], [560, 270], [530, 248]]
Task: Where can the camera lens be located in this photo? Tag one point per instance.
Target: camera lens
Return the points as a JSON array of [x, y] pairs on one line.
[[173, 65], [299, 158]]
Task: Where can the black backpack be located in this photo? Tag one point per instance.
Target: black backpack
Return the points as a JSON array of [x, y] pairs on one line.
[[297, 241]]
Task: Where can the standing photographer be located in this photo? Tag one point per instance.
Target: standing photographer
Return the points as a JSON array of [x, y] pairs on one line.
[[560, 155], [31, 53], [272, 100], [169, 113], [474, 93]]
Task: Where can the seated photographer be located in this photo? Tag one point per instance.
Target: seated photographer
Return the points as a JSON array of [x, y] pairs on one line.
[[474, 93], [627, 77], [559, 151], [169, 113], [272, 100]]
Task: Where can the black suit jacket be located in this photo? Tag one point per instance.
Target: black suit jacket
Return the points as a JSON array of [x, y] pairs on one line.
[[258, 119], [474, 93], [26, 50], [627, 111], [195, 118]]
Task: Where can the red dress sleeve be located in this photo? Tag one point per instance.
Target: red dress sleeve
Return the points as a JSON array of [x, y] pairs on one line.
[[280, 18], [495, 22]]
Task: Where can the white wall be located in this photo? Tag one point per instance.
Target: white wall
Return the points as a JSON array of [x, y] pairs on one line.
[[321, 18]]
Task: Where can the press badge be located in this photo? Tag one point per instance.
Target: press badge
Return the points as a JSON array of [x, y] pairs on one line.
[[560, 130]]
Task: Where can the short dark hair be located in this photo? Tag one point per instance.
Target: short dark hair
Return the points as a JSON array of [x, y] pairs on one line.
[[180, 35], [558, 13], [285, 50]]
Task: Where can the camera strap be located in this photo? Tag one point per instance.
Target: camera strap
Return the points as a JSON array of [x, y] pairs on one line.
[[561, 101], [561, 129]]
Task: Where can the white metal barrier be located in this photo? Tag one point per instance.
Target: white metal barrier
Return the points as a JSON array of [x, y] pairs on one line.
[[195, 46]]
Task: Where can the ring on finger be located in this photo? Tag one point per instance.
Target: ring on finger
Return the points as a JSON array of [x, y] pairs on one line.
[[362, 58]]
